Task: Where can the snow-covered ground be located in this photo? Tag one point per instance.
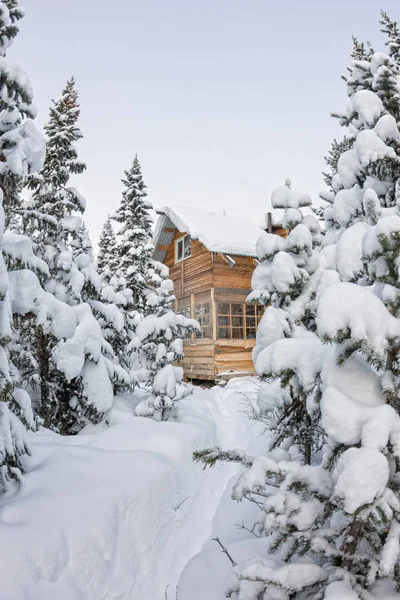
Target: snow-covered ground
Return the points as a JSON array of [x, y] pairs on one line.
[[124, 512]]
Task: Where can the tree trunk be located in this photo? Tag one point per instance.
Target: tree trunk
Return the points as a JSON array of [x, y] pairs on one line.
[[350, 546], [43, 358]]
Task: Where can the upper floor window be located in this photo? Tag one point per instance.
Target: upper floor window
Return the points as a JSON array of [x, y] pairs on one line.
[[182, 248]]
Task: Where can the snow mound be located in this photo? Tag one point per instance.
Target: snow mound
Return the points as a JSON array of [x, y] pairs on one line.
[[209, 573], [117, 512]]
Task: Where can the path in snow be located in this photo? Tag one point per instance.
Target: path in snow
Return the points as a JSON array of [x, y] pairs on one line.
[[117, 513], [206, 574]]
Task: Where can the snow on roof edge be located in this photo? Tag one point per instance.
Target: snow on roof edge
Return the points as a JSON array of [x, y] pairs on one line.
[[217, 232]]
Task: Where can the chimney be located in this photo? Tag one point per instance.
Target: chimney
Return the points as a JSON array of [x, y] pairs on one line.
[[269, 222]]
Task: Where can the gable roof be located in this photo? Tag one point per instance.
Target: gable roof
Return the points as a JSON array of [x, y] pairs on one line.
[[217, 232]]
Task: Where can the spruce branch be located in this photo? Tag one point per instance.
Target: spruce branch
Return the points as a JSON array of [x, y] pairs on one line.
[[242, 526], [210, 456], [224, 550]]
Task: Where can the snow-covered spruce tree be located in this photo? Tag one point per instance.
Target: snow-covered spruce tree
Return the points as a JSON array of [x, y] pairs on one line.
[[158, 344], [286, 280], [335, 152], [21, 151], [50, 213], [363, 322], [50, 203], [109, 310], [107, 257], [343, 513], [358, 78], [288, 353], [87, 393], [336, 522], [355, 536], [118, 320], [157, 341], [71, 387], [361, 51], [135, 235], [118, 331], [331, 160], [392, 31], [21, 145], [372, 162]]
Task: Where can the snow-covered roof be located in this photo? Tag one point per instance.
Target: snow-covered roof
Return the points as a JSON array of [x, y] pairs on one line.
[[218, 232]]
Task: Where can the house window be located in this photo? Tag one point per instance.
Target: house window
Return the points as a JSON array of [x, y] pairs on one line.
[[238, 320], [254, 312], [230, 320], [182, 248], [203, 316], [184, 309]]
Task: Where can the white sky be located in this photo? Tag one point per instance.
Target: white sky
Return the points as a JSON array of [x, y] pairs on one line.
[[221, 99]]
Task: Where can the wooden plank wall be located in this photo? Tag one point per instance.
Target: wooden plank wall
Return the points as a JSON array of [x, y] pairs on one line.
[[231, 295], [205, 270], [238, 277], [235, 355], [280, 231], [199, 359], [192, 275]]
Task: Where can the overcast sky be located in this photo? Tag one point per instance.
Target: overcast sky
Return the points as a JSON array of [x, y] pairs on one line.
[[221, 99]]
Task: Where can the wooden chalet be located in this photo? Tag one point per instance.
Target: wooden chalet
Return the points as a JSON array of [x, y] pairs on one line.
[[211, 258]]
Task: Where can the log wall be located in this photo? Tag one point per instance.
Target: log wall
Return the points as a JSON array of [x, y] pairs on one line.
[[238, 277], [192, 275]]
